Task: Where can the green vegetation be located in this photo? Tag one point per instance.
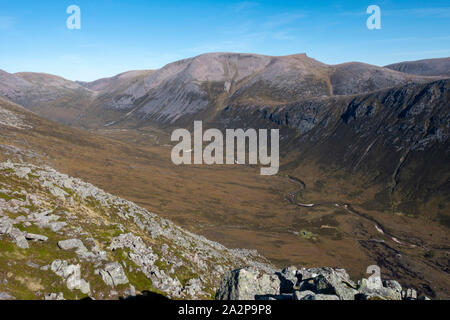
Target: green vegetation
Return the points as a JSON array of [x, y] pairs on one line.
[[305, 234]]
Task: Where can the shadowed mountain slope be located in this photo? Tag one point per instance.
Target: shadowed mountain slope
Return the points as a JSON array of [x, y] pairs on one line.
[[397, 139]]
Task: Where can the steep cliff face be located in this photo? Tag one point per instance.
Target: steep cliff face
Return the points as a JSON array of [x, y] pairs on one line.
[[354, 78]]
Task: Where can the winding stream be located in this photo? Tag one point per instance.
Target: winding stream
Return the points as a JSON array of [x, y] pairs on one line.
[[291, 197]]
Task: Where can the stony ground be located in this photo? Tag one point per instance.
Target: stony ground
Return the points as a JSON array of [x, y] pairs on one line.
[[63, 238]]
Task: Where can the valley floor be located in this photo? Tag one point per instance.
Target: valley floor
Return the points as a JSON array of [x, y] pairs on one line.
[[239, 208]]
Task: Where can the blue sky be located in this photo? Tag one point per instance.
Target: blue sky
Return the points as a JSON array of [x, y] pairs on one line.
[[117, 36]]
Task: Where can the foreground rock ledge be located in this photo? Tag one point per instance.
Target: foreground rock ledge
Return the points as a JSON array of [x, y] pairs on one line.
[[308, 284]]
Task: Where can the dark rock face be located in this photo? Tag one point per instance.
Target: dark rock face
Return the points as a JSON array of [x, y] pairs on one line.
[[307, 284]]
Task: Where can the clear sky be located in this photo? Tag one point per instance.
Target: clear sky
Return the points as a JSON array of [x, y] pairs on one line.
[[117, 36]]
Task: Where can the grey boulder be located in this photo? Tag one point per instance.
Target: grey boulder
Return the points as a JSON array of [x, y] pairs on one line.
[[6, 296], [35, 237], [248, 284], [113, 274]]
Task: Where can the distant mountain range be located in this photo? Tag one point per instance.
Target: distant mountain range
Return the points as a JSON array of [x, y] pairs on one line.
[[200, 86]]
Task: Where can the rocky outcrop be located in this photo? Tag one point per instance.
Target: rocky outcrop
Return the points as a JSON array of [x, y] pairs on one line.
[[35, 237], [86, 242], [307, 284], [113, 274], [71, 274], [248, 284], [6, 296]]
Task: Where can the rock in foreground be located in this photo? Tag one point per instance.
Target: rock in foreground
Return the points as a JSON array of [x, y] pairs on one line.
[[307, 284]]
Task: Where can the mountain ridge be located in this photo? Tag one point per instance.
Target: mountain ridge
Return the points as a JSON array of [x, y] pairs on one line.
[[185, 88]]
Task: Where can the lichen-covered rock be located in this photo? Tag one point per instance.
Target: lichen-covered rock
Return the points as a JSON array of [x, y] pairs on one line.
[[289, 279], [19, 238], [328, 281], [6, 296], [72, 244], [307, 284], [54, 296], [5, 225], [373, 288], [35, 237], [409, 294], [248, 284], [72, 275], [392, 284], [113, 274]]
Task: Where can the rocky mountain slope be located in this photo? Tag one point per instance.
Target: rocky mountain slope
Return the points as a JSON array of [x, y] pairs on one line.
[[427, 67], [61, 237], [116, 83]]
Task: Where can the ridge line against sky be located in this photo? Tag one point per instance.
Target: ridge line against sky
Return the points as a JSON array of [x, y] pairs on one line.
[[118, 36]]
